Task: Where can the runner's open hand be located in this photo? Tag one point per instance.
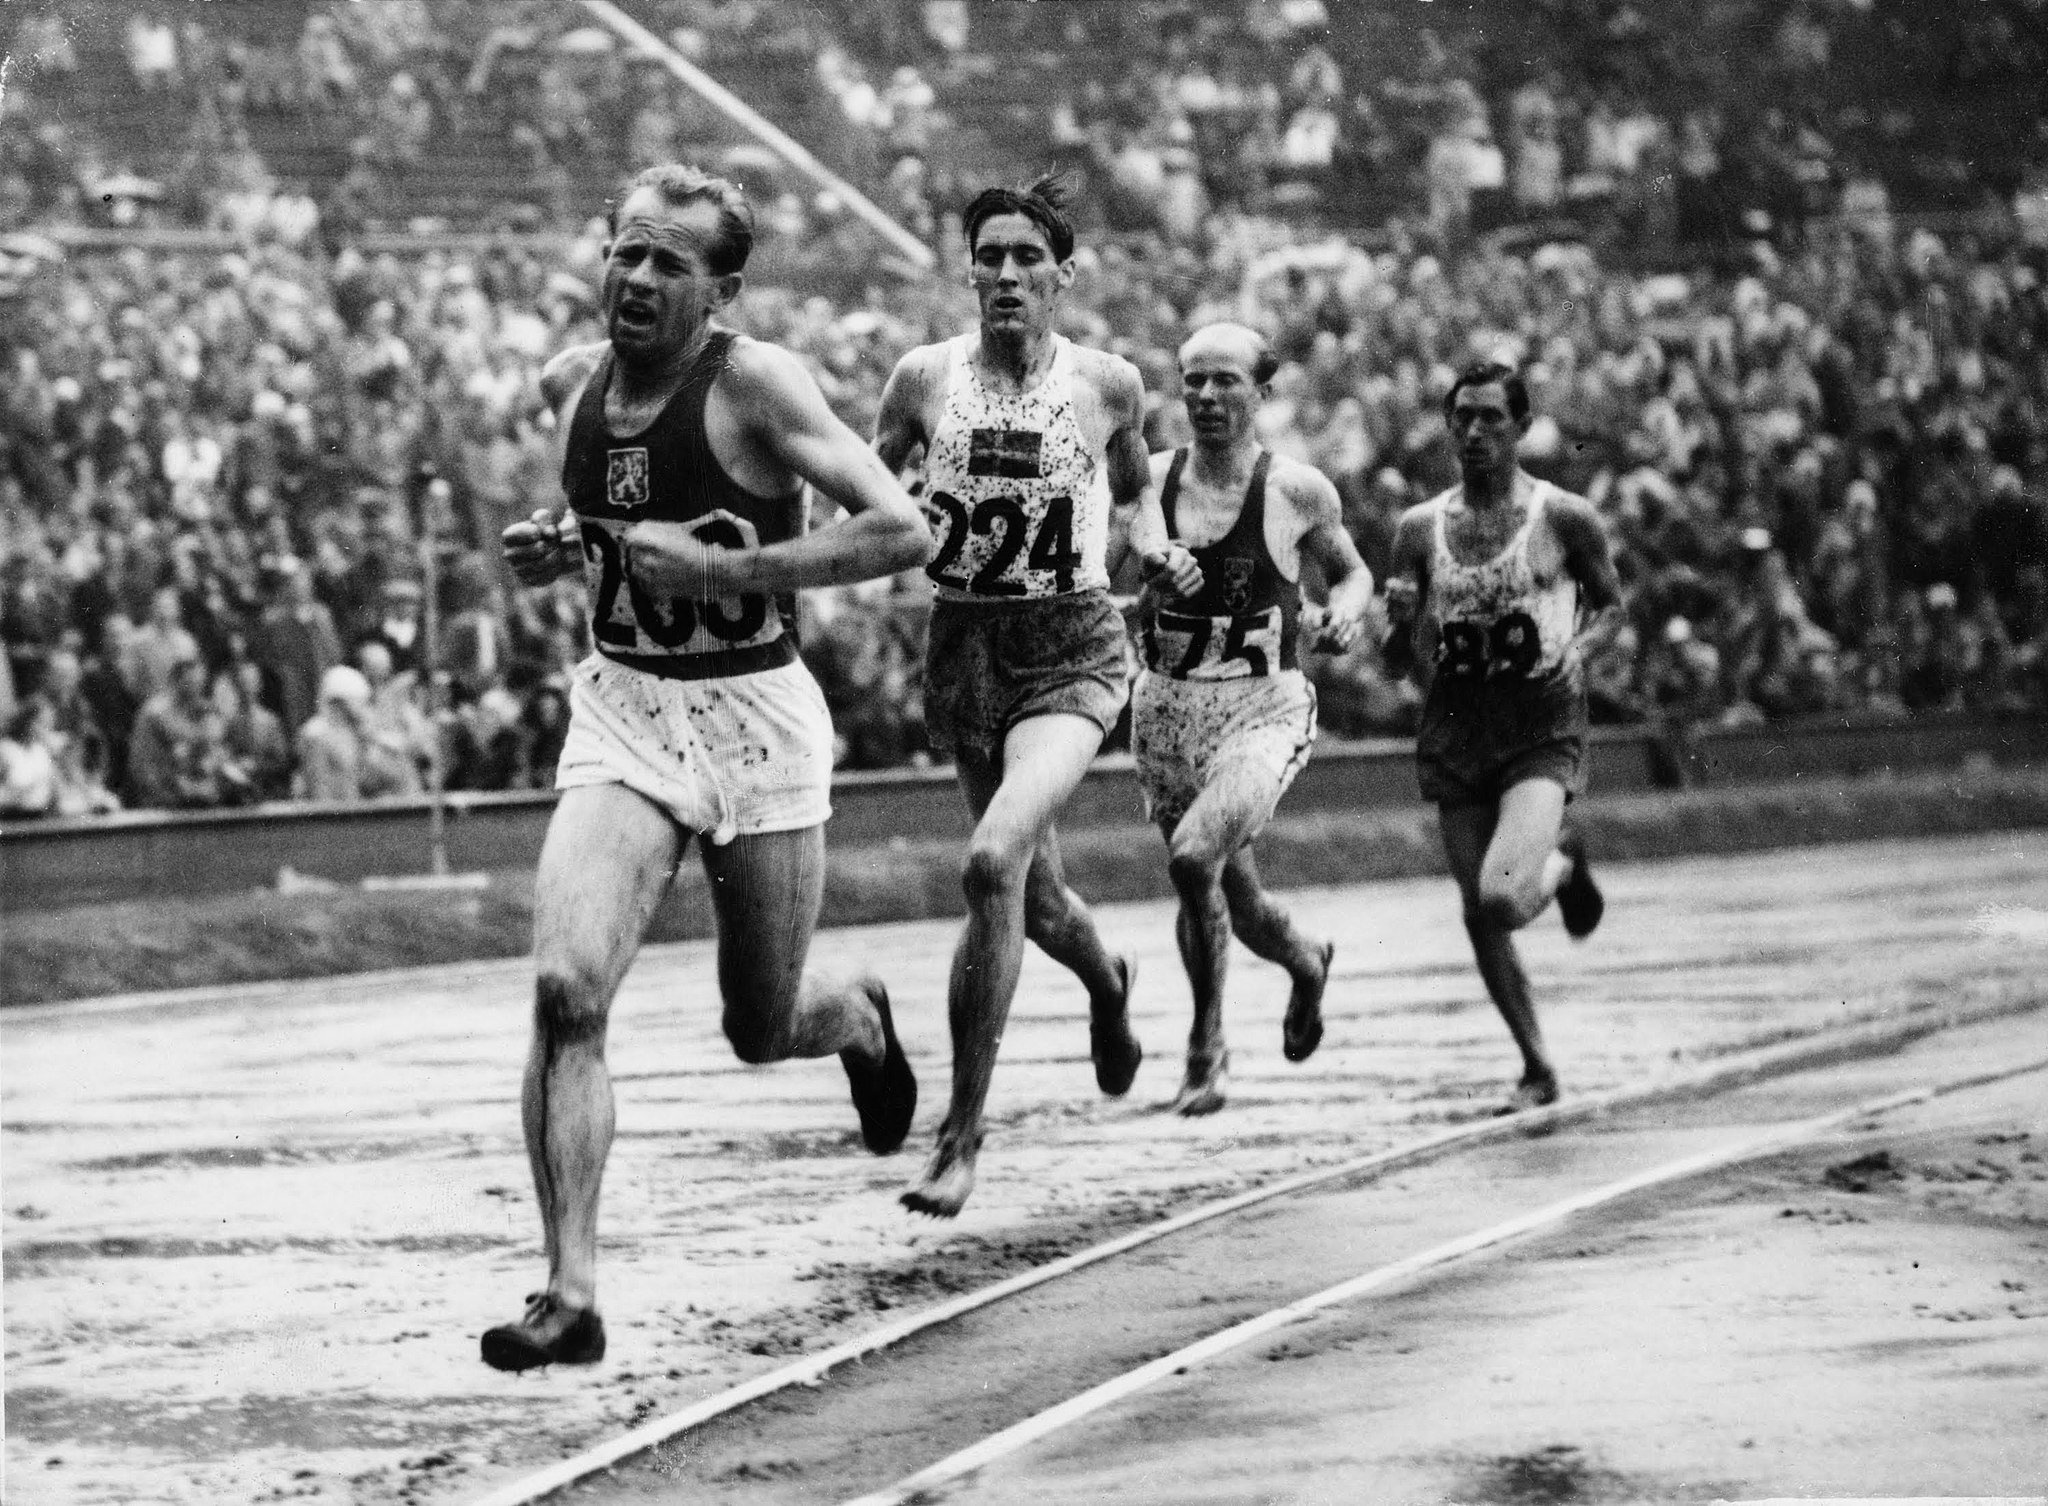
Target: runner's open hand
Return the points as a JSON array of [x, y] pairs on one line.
[[1171, 570]]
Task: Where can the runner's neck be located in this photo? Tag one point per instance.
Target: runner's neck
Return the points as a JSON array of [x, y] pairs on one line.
[[1018, 362], [1224, 467], [637, 382], [1492, 492]]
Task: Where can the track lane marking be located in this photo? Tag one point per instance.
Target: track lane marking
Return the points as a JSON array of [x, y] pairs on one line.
[[1838, 1043], [956, 1467]]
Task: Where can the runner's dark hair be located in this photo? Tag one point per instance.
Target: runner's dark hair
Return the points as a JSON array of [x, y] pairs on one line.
[[1485, 374], [1044, 203]]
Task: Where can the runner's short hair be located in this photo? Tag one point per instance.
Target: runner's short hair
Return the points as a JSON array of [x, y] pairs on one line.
[[1265, 364], [680, 184], [1044, 203], [1485, 374]]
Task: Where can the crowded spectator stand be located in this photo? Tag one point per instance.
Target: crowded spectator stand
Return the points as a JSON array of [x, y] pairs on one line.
[[281, 315]]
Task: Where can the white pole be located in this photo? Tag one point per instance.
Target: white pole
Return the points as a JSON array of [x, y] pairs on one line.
[[723, 99]]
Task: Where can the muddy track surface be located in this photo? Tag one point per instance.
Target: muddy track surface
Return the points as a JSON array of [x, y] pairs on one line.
[[250, 1241]]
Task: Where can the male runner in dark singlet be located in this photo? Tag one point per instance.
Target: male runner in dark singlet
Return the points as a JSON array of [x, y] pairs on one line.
[[1029, 441], [687, 452], [1493, 587], [1222, 719]]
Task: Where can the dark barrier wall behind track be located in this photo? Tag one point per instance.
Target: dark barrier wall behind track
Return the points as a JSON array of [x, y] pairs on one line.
[[148, 855]]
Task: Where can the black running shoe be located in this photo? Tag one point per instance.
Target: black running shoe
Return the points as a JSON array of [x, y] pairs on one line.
[[1111, 1046], [1579, 899], [549, 1334], [885, 1094]]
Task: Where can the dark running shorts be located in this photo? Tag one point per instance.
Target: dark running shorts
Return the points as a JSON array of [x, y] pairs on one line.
[[1477, 741], [988, 666]]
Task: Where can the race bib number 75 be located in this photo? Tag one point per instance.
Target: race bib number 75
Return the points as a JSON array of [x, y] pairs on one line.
[[1214, 648]]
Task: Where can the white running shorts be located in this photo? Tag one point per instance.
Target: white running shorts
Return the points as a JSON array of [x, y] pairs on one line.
[[1183, 731], [724, 757]]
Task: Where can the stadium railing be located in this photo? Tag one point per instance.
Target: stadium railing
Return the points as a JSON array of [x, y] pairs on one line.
[[148, 854]]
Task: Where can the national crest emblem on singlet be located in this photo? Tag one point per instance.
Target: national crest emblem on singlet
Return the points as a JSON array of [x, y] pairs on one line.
[[1237, 581], [625, 481]]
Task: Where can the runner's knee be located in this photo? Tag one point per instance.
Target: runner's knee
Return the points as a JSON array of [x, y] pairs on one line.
[[1508, 900], [568, 1011], [755, 1040], [992, 871], [1192, 871]]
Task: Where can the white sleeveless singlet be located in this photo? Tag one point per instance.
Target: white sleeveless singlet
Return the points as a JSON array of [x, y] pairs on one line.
[[1016, 498], [1495, 619]]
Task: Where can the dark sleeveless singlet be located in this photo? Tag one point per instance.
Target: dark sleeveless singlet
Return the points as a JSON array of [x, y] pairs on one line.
[[1243, 621], [667, 472]]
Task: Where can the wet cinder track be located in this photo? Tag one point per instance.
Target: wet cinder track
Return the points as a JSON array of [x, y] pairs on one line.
[[256, 1235]]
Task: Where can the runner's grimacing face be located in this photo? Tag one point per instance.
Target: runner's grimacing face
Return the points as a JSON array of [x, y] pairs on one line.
[[1222, 399], [658, 293], [1014, 275], [1484, 428]]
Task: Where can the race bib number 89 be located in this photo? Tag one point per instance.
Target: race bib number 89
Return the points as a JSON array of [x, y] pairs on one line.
[[1510, 647], [1214, 648]]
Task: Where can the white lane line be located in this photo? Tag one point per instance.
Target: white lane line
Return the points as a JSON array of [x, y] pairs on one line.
[[1836, 1044], [1020, 1435]]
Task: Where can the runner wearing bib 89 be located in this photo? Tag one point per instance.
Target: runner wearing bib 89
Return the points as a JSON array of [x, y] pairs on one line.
[[686, 456], [1493, 589], [1222, 718], [1029, 442]]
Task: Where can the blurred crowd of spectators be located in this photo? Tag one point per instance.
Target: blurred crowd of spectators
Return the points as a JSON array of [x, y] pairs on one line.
[[220, 477], [230, 482]]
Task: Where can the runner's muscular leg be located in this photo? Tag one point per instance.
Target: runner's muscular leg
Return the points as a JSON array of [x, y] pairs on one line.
[[766, 889], [1468, 832], [1057, 922], [1523, 866], [1227, 814], [607, 859], [1055, 919], [1044, 758], [1269, 931]]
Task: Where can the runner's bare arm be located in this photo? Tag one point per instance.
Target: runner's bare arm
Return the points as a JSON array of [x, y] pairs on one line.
[[900, 427], [1340, 620], [547, 545], [1589, 559], [1407, 587], [1131, 492], [788, 417], [1119, 553]]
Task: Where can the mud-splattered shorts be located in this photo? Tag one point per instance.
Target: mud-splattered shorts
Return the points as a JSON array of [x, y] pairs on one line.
[[989, 666], [1183, 732], [1477, 740], [724, 757]]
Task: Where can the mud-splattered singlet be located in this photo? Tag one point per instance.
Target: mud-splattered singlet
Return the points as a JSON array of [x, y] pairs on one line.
[[1015, 496], [1496, 619], [667, 472], [1243, 621]]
